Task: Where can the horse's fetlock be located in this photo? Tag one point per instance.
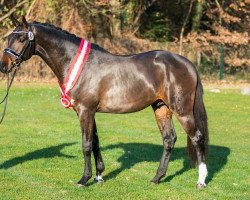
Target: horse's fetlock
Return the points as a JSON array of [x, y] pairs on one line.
[[88, 176], [161, 173], [100, 167]]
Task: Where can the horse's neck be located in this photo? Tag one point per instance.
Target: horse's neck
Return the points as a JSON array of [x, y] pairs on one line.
[[56, 50]]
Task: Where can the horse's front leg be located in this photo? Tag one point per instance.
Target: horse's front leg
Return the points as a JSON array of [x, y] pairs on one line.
[[98, 157], [86, 118]]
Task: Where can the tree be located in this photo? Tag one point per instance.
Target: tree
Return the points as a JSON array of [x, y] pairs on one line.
[[198, 13], [225, 23]]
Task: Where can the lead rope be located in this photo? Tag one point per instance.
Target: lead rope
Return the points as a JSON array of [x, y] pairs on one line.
[[5, 99]]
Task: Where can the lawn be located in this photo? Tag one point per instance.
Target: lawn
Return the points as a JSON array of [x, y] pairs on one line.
[[41, 156]]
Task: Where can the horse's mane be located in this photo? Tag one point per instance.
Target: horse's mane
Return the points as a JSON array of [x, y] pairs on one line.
[[56, 28], [95, 46]]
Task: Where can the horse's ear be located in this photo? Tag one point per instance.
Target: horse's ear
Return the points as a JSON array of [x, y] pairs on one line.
[[14, 21], [25, 23]]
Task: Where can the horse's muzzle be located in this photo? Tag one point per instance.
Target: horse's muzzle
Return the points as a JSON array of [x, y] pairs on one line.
[[3, 68], [5, 63]]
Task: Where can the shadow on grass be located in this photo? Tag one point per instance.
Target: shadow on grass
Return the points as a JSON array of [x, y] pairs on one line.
[[133, 153], [49, 152], [143, 152]]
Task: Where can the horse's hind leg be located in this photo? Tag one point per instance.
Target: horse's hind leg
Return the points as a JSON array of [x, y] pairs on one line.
[[198, 140], [164, 120], [98, 157]]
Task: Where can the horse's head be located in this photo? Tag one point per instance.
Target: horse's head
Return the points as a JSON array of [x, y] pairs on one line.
[[20, 46]]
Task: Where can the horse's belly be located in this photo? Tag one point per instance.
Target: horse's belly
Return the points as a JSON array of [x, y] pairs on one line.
[[123, 107], [126, 101]]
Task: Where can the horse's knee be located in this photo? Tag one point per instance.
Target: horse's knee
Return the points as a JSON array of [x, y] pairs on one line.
[[87, 153], [87, 148]]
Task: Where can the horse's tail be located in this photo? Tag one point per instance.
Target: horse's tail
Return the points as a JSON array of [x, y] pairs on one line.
[[200, 118]]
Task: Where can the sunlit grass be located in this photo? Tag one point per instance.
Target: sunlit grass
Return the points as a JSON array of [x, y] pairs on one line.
[[41, 157]]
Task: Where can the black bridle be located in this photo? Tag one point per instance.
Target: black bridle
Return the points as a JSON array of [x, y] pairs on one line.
[[19, 56], [15, 64]]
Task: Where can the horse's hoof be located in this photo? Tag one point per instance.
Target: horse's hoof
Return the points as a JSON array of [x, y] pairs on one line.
[[200, 185], [98, 180], [79, 185], [154, 181]]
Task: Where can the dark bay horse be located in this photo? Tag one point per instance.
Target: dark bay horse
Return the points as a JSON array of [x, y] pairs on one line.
[[120, 84]]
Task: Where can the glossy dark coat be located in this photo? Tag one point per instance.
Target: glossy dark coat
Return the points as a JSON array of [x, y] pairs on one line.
[[122, 84]]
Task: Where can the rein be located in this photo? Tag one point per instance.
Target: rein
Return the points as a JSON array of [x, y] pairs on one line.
[[5, 99]]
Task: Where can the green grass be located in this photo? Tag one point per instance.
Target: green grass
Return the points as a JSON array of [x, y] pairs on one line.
[[41, 157]]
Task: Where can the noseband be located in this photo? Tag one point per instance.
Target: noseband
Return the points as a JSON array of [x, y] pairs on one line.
[[19, 56]]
